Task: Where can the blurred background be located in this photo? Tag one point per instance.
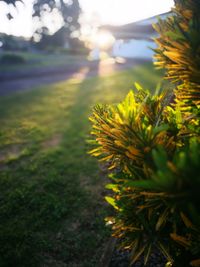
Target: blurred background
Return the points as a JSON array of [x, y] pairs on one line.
[[45, 36]]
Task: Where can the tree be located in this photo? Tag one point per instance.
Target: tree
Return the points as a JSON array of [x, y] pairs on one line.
[[12, 2], [68, 10]]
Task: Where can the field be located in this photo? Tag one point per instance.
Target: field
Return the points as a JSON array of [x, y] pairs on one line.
[[52, 204]]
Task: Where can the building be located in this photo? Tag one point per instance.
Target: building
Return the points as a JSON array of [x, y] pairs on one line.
[[135, 40]]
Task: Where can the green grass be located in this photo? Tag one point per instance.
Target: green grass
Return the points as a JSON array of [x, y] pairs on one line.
[[38, 60], [52, 205]]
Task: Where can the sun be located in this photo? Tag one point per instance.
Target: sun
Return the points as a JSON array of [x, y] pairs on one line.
[[103, 39]]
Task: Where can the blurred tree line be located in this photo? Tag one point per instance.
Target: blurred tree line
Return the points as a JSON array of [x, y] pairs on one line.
[[66, 35]]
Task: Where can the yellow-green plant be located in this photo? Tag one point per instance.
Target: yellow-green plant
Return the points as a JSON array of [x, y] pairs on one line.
[[144, 141], [179, 51], [127, 133], [152, 147]]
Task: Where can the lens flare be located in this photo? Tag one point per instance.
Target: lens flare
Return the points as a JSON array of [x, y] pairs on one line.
[[103, 40]]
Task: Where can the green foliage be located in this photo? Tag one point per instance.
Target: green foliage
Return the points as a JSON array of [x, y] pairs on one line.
[[179, 51], [153, 155], [152, 146], [127, 133]]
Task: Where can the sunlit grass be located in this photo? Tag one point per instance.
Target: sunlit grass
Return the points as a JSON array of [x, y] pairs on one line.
[[52, 193]]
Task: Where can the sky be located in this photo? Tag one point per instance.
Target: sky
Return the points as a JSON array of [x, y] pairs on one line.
[[115, 12]]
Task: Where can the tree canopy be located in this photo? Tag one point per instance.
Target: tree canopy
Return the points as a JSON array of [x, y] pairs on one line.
[[68, 10], [13, 2]]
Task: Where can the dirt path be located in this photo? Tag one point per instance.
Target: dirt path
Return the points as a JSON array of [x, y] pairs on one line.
[[22, 81]]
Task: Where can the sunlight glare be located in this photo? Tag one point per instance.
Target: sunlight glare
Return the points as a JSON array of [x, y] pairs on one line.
[[118, 12], [103, 40]]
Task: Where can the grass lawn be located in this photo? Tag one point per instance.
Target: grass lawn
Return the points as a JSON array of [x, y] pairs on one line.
[[52, 205], [38, 60]]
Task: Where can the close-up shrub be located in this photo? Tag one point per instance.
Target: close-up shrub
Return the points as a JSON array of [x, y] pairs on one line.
[[151, 145], [178, 51]]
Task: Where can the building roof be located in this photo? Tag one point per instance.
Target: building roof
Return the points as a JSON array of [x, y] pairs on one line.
[[136, 30]]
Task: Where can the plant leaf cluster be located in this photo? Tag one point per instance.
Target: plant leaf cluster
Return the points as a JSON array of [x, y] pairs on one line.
[[178, 51], [151, 145]]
